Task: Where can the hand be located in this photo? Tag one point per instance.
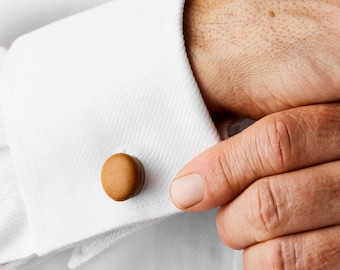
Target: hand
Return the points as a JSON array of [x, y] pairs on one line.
[[255, 57], [277, 182]]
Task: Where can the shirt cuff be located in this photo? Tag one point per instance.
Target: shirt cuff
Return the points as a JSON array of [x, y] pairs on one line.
[[15, 235], [112, 79]]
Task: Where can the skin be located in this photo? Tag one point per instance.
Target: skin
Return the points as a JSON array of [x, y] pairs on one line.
[[277, 183]]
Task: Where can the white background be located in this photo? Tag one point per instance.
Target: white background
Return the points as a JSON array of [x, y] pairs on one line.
[[18, 17]]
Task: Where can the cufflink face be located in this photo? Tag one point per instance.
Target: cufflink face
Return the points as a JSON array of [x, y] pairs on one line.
[[122, 177]]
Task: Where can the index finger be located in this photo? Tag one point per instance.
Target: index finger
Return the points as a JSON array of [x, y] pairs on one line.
[[278, 143]]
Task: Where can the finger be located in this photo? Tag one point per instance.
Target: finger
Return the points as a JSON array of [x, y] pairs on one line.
[[277, 143], [283, 204], [318, 249]]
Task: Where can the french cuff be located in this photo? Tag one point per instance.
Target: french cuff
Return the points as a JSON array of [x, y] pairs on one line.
[[112, 79], [16, 242]]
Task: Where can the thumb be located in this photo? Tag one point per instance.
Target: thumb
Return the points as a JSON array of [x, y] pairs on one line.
[[277, 143]]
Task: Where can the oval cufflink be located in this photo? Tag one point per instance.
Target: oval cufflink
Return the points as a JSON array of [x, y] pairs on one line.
[[122, 177]]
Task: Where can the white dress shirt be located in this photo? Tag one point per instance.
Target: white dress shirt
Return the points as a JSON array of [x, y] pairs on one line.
[[111, 79]]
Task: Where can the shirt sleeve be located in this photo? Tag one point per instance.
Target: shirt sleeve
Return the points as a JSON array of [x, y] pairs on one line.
[[112, 79], [15, 238]]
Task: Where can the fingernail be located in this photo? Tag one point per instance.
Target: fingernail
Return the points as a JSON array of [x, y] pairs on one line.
[[187, 191]]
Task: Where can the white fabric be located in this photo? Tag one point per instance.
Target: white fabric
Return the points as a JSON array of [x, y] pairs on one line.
[[15, 237], [187, 241], [111, 79], [90, 248], [3, 53]]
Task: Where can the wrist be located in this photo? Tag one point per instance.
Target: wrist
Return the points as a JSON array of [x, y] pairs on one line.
[[200, 50]]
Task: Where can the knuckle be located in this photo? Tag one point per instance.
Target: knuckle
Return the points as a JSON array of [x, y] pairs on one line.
[[223, 171], [267, 210], [221, 175], [278, 143], [282, 254]]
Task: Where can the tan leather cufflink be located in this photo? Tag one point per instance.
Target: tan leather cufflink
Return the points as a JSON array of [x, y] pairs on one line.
[[122, 177]]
